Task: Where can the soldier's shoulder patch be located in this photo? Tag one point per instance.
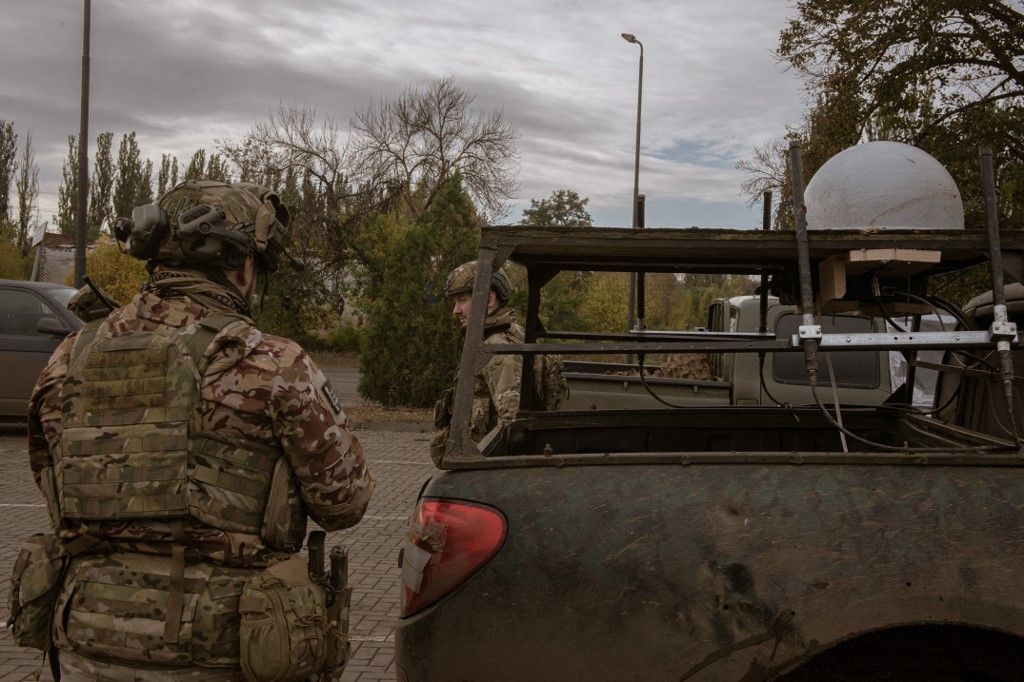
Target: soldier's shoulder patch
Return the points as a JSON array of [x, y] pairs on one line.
[[328, 392]]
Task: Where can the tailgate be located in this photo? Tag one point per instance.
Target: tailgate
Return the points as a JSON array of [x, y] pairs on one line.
[[716, 571]]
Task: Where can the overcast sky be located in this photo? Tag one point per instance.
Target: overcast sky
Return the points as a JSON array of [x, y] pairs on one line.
[[186, 73]]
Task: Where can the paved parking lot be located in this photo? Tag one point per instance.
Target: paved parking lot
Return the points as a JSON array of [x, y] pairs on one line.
[[400, 461]]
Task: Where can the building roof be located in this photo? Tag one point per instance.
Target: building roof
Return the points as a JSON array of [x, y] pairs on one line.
[[56, 240]]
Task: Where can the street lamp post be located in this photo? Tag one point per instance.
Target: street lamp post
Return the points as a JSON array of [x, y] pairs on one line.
[[631, 308], [83, 154]]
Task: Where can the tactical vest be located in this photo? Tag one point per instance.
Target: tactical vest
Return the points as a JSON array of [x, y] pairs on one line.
[[133, 446]]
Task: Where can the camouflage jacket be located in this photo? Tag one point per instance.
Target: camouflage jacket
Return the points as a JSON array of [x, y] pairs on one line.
[[260, 387], [496, 386]]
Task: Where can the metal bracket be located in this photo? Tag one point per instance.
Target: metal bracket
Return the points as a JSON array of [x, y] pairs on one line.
[[809, 331], [908, 340], [1003, 330]]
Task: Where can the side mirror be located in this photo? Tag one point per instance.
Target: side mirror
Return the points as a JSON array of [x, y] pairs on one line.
[[52, 326]]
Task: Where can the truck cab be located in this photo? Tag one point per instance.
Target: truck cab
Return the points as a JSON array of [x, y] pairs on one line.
[[739, 378]]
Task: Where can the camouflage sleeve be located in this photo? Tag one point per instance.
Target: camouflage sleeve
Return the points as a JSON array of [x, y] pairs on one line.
[[324, 454], [44, 409], [502, 375]]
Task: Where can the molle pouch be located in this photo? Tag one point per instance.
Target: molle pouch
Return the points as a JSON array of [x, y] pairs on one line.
[[284, 632], [117, 607], [340, 650], [48, 485], [35, 584], [284, 521]]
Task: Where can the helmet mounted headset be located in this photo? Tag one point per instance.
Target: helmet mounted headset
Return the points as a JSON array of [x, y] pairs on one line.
[[208, 224]]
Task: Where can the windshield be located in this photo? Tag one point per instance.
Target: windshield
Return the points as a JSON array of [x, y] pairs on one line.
[[62, 294]]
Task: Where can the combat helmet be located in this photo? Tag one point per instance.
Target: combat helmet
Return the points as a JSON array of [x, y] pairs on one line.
[[208, 223], [460, 281]]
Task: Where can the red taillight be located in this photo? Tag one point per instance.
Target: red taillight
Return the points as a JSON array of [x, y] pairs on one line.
[[449, 542]]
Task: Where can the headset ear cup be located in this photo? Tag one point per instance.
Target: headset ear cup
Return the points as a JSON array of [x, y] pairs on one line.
[[233, 256], [149, 227]]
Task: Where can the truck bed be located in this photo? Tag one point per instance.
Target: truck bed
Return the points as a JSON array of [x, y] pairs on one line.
[[723, 430], [592, 391]]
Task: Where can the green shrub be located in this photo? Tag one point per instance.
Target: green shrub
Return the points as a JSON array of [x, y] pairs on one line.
[[345, 338], [411, 343]]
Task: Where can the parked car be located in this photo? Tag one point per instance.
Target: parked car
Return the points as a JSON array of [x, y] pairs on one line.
[[34, 319]]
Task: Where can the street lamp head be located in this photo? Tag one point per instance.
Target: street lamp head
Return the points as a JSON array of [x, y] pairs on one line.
[[629, 38]]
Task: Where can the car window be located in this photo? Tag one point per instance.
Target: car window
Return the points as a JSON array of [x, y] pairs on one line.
[[20, 312], [853, 369], [62, 294]]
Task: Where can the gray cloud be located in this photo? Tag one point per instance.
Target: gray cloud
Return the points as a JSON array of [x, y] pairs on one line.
[[187, 73]]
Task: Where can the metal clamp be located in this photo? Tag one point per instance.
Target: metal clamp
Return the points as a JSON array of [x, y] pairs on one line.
[[1002, 329], [809, 331]]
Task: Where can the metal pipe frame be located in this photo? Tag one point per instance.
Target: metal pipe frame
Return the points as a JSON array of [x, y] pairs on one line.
[[965, 340]]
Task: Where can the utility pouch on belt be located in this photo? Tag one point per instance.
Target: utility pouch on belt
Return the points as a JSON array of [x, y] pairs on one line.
[[284, 632], [115, 607], [338, 609], [35, 584]]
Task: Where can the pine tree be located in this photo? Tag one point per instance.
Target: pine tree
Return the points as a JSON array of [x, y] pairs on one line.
[[163, 178], [8, 166], [132, 186], [146, 184], [217, 169], [411, 344], [101, 187], [196, 166], [27, 187], [67, 192]]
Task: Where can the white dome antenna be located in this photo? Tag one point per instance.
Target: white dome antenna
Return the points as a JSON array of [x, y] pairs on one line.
[[885, 186]]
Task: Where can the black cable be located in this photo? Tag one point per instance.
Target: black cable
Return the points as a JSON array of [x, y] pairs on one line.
[[812, 380], [939, 304], [952, 309], [885, 315], [893, 448], [643, 382], [924, 413], [764, 384]]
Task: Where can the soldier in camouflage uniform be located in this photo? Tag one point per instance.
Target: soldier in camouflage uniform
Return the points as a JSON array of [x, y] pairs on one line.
[[179, 451], [496, 386]]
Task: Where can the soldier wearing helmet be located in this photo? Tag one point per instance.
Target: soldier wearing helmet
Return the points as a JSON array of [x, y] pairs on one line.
[[497, 385], [459, 286], [180, 451]]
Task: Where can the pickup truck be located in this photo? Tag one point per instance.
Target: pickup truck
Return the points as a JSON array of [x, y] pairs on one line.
[[736, 378], [763, 541]]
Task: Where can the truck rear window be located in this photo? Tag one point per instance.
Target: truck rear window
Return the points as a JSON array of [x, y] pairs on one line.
[[854, 369]]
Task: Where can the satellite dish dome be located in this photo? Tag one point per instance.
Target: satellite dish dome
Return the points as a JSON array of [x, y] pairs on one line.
[[883, 185]]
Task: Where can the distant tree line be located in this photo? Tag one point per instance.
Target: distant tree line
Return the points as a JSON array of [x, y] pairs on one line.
[[945, 76], [381, 212]]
